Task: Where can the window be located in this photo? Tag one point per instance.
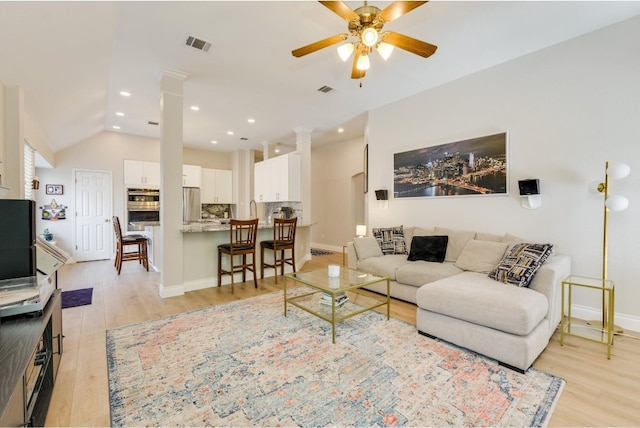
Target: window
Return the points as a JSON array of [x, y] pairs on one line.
[[29, 171]]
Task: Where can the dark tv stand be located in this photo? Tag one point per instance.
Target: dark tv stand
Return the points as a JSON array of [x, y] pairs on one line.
[[30, 352]]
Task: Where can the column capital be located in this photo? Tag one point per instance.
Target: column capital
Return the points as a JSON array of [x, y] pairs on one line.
[[303, 136], [173, 74], [171, 81]]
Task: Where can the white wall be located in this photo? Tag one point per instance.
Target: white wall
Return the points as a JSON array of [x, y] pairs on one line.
[[333, 166], [567, 109]]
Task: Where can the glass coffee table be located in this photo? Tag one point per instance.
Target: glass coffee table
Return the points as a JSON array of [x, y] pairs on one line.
[[331, 289]]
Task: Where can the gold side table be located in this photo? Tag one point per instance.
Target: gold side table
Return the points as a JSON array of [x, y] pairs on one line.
[[603, 332]]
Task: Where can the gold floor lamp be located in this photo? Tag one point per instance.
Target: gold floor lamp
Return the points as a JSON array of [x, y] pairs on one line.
[[613, 171]]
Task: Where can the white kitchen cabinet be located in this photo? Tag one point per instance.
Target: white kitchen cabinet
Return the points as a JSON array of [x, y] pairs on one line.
[[277, 179], [141, 173], [217, 186], [262, 182], [191, 175]]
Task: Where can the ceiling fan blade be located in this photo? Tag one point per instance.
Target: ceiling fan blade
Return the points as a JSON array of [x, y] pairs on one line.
[[341, 9], [319, 45], [398, 8], [355, 72], [409, 44]]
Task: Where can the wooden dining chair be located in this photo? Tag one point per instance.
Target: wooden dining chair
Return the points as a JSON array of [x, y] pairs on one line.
[[284, 238], [139, 243], [242, 242]]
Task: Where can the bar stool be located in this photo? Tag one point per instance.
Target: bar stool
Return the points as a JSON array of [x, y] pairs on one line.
[[242, 241], [284, 238], [139, 242]]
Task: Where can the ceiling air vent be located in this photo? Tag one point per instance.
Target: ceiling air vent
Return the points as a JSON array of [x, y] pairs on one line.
[[325, 89], [199, 44], [244, 138], [153, 123]]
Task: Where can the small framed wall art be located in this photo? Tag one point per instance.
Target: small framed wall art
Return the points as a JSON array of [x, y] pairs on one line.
[[54, 189]]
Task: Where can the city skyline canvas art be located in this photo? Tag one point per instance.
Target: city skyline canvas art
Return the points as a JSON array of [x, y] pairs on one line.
[[477, 166]]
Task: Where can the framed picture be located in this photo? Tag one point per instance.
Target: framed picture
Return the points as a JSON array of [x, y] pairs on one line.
[[477, 166], [366, 168], [54, 189]]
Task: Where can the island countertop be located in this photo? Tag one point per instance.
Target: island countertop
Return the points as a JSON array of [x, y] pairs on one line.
[[217, 227], [200, 252]]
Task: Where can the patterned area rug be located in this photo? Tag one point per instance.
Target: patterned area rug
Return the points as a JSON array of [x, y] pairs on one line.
[[245, 364], [317, 252]]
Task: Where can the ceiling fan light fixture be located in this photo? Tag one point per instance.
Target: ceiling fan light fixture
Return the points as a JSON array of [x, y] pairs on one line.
[[369, 37], [363, 62], [385, 49], [345, 50]]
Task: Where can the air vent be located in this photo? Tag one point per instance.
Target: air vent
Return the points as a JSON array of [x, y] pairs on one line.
[[153, 123], [325, 89], [199, 44], [244, 138]]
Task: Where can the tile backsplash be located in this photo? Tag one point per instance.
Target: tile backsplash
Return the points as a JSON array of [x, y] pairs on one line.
[[273, 209], [213, 211]]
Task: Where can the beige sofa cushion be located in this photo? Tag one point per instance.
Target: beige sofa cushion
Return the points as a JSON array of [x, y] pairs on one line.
[[493, 237], [481, 256], [476, 298], [420, 272], [385, 266], [421, 231], [366, 247], [457, 240]]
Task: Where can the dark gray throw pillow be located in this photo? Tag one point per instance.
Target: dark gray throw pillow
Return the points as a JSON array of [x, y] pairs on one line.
[[428, 248]]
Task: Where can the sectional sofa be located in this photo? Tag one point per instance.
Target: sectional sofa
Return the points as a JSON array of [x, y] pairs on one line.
[[498, 295]]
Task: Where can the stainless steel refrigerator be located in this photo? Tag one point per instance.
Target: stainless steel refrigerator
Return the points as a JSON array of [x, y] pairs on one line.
[[190, 204]]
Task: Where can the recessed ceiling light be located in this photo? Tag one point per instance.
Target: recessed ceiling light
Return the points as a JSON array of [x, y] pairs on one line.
[[251, 120], [214, 142], [341, 130], [125, 93], [119, 113], [229, 132], [195, 108], [116, 127]]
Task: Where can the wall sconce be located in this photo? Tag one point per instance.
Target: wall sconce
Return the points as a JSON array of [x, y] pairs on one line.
[[530, 193], [614, 171], [361, 230], [383, 198]]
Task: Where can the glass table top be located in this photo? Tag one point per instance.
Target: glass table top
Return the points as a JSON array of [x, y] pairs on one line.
[[349, 278]]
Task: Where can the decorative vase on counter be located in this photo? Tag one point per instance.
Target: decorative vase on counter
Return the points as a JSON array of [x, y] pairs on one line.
[[48, 236]]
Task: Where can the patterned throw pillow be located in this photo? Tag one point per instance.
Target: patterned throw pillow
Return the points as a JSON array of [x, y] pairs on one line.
[[390, 239], [521, 263]]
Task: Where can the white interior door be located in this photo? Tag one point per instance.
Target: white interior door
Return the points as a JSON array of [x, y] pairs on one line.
[[93, 215]]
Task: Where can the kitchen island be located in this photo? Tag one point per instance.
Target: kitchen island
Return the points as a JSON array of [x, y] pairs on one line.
[[200, 252]]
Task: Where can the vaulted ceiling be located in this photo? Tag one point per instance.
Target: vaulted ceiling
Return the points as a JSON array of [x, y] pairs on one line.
[[72, 59]]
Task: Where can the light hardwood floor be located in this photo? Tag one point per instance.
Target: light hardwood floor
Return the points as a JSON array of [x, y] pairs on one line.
[[599, 392]]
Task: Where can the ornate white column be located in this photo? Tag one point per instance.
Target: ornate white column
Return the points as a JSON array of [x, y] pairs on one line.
[[303, 146], [171, 124]]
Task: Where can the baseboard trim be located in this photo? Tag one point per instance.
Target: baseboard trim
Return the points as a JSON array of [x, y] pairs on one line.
[[337, 249], [171, 291], [628, 322]]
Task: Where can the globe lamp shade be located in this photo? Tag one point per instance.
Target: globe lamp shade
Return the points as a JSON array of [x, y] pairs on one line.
[[617, 203]]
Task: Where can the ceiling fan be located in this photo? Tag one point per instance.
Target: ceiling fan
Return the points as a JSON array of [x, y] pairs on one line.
[[365, 32]]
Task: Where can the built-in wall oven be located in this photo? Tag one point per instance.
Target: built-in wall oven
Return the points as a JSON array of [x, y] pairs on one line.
[[143, 207]]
